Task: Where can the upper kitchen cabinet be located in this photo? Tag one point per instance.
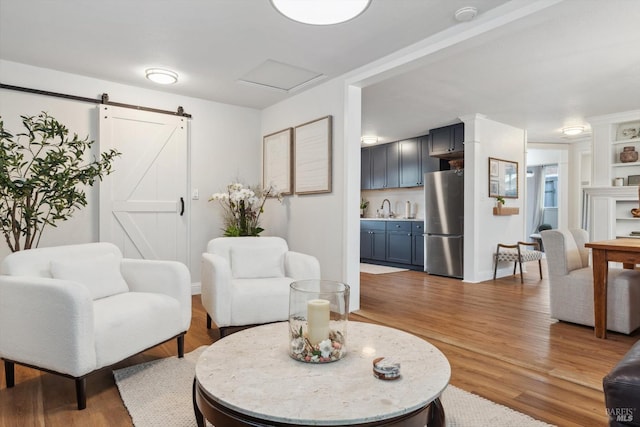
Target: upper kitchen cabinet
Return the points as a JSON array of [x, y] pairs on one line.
[[398, 164], [384, 166], [429, 164], [365, 168], [415, 161], [410, 154], [447, 142]]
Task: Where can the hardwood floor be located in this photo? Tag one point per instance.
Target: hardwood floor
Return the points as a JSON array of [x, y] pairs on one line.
[[498, 337]]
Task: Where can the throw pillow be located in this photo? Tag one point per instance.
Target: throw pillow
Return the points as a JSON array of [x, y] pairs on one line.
[[253, 263], [101, 274]]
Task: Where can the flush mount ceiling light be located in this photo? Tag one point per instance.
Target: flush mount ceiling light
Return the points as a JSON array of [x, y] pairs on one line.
[[161, 76], [321, 12], [466, 14], [369, 140], [573, 130]]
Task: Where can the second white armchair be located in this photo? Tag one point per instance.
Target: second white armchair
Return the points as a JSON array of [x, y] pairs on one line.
[[571, 284], [245, 280]]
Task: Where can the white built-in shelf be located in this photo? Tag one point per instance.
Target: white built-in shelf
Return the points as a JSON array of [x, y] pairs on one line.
[[607, 208], [622, 165], [625, 141]]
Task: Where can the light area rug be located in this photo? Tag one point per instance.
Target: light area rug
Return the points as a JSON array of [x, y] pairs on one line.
[[379, 269], [159, 393]]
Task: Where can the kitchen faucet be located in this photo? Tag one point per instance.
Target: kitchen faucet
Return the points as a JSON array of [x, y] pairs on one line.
[[391, 214]]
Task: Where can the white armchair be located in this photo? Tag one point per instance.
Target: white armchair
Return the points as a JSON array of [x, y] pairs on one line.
[[72, 310], [571, 284], [245, 280]]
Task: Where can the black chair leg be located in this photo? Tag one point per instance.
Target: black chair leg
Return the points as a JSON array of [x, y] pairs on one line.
[[9, 373], [521, 278], [81, 393], [540, 268], [181, 346], [495, 267], [208, 321], [515, 264]]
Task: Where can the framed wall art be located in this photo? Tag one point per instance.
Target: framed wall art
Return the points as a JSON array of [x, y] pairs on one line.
[[628, 130], [277, 161], [503, 178], [633, 180], [312, 151]]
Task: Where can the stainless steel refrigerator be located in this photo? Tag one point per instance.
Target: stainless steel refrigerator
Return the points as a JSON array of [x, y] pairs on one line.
[[444, 222]]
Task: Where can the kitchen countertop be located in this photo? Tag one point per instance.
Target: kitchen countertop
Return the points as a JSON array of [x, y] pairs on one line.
[[391, 219]]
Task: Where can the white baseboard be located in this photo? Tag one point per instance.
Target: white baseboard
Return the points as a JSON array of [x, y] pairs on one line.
[[196, 288]]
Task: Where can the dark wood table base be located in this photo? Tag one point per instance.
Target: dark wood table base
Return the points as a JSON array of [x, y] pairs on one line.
[[206, 408]]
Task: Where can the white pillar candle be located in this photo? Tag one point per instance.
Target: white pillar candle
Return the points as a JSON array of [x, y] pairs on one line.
[[317, 320]]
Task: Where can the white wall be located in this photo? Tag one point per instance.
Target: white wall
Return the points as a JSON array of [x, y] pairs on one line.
[[486, 138], [225, 144], [315, 224]]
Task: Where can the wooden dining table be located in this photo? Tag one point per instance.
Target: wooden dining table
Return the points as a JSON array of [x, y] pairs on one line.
[[624, 250]]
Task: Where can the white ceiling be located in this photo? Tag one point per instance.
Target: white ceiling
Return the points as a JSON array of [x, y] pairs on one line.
[[554, 68]]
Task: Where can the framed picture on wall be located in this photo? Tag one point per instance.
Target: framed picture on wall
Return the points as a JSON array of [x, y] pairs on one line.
[[276, 161], [312, 150], [628, 130], [503, 178], [493, 168]]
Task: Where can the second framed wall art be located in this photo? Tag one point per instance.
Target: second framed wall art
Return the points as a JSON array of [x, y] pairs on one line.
[[312, 149]]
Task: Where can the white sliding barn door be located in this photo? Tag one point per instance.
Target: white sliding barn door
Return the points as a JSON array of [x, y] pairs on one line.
[[143, 203]]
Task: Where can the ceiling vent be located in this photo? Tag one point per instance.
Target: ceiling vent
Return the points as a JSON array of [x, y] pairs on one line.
[[281, 77]]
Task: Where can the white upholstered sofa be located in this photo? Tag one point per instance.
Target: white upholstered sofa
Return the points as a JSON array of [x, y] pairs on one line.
[[71, 310], [571, 284], [245, 280]]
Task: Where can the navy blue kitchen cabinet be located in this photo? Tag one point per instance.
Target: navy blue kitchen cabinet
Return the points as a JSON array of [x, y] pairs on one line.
[[365, 168], [392, 243], [373, 240], [430, 164], [447, 142], [415, 161], [398, 164], [384, 166], [399, 242], [410, 155]]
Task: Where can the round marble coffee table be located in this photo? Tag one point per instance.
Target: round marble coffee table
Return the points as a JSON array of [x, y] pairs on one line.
[[248, 378]]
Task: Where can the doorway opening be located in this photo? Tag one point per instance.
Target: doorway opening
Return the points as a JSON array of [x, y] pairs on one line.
[[542, 197]]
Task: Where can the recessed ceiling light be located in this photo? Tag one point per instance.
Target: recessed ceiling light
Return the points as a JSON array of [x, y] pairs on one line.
[[369, 139], [573, 130], [321, 12], [466, 14], [161, 76]]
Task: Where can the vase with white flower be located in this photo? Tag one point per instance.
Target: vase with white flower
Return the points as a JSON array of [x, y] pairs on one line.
[[242, 208]]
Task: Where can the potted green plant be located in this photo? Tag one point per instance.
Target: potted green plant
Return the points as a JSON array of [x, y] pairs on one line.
[[499, 203], [42, 172], [364, 204]]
